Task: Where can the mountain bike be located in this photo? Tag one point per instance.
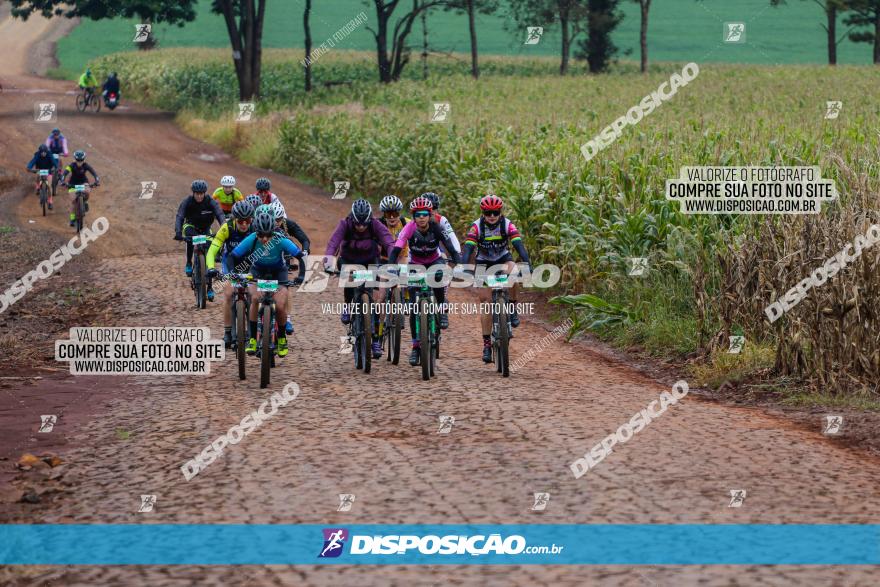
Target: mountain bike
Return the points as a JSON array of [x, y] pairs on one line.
[[199, 279], [56, 177], [241, 303], [44, 189], [80, 207], [87, 99], [500, 322], [427, 323], [360, 326], [391, 327], [266, 343]]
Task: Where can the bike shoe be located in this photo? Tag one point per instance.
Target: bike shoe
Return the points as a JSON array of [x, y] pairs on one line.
[[50, 205], [251, 347], [86, 205], [487, 352], [414, 356], [227, 339], [210, 295], [514, 319], [345, 317], [281, 348], [188, 270], [288, 327], [72, 221], [377, 349], [444, 321]]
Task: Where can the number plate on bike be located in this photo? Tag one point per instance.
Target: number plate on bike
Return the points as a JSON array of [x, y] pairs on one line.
[[497, 280], [200, 239], [416, 279], [79, 188], [365, 275], [267, 285], [44, 173]]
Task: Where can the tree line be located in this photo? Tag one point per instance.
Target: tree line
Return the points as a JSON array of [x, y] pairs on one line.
[[585, 26]]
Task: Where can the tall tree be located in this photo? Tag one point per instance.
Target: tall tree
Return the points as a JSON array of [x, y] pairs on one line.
[[570, 14], [244, 23], [597, 48], [831, 9], [645, 6], [471, 8], [866, 13], [391, 64], [308, 40]]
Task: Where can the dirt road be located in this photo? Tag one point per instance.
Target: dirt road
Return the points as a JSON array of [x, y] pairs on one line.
[[376, 436]]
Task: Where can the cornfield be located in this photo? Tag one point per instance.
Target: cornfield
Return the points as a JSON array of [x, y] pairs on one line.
[[708, 276]]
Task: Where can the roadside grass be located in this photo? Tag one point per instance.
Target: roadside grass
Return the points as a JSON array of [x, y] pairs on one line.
[[723, 366]]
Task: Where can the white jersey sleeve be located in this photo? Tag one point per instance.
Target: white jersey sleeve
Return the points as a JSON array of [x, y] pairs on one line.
[[449, 233]]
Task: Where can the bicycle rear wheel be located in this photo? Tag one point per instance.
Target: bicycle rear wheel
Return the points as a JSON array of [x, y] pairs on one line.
[[265, 346], [426, 354], [367, 338], [240, 324]]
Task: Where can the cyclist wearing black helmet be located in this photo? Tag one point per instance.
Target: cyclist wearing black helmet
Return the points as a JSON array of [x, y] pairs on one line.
[[233, 231], [264, 191], [195, 215], [74, 175], [358, 239], [43, 159], [268, 249]]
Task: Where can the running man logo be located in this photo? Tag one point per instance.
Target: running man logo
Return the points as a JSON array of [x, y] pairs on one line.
[[541, 501], [334, 541], [245, 111], [533, 35], [346, 500], [832, 425], [316, 279], [340, 189], [47, 423], [446, 423], [142, 32], [539, 190], [736, 344], [637, 266], [737, 497], [147, 189], [832, 109], [147, 503], [45, 112], [441, 112], [346, 344], [734, 32]]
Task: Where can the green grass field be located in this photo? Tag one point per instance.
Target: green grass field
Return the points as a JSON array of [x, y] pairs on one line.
[[680, 30]]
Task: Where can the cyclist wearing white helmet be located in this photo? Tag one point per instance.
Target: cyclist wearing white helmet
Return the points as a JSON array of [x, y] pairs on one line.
[[227, 194]]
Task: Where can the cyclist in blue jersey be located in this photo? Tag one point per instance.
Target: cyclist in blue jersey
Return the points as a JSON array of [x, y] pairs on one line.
[[266, 249]]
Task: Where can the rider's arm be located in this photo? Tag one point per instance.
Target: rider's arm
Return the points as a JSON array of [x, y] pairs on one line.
[[517, 242], [447, 242], [241, 250], [33, 162], [289, 247], [470, 243], [64, 146], [216, 245], [402, 238], [450, 234], [67, 171], [383, 236], [336, 239], [218, 212], [90, 169], [298, 233], [181, 213]]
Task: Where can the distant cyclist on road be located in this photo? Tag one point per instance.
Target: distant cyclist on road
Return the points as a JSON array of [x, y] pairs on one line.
[[264, 191], [195, 215], [424, 237], [227, 238], [87, 81], [492, 235], [227, 194], [268, 249], [57, 143], [74, 175], [358, 239], [43, 159]]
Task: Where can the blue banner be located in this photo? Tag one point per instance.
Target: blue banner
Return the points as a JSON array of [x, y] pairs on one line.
[[562, 544]]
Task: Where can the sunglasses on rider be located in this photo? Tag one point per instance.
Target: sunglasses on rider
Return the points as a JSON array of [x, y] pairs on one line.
[[421, 214], [392, 214], [492, 213]]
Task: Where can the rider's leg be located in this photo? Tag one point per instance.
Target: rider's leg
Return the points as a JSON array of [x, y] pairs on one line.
[[72, 194]]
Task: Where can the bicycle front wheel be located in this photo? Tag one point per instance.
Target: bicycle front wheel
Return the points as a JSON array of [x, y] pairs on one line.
[[44, 196], [240, 322], [201, 282], [265, 346], [503, 354], [80, 103], [367, 338], [425, 351]]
